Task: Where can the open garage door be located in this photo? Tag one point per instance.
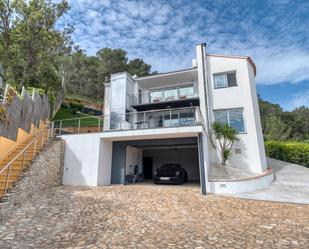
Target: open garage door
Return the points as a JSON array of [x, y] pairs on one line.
[[146, 156]]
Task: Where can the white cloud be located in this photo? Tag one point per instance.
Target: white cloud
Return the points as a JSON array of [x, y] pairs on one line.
[[164, 33], [300, 99]]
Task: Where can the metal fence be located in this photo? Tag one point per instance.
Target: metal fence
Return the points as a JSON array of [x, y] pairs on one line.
[[166, 118]]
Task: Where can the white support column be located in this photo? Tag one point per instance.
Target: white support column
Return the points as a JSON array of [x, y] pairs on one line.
[[107, 110]]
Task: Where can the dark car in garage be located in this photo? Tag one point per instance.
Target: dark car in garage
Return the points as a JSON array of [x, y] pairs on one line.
[[170, 174]]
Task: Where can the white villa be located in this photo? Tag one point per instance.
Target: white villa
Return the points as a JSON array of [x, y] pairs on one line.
[[166, 118]]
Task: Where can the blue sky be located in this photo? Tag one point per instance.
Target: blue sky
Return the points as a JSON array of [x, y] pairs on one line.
[[274, 33]]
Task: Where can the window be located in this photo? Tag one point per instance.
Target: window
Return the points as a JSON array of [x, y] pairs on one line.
[[186, 92], [156, 96], [232, 117], [225, 80], [170, 94]]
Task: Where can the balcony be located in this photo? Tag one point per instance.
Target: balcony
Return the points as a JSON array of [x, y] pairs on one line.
[[177, 117], [168, 97]]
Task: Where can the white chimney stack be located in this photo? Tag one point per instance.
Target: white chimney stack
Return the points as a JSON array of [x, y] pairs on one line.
[[194, 64]]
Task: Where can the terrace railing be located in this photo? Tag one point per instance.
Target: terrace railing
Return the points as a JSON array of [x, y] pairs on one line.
[[180, 92], [175, 117]]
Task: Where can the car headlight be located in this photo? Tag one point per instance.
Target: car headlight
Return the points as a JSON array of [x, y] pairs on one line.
[[177, 173]]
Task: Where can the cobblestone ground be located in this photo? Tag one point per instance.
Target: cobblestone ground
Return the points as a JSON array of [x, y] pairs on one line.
[[152, 217]]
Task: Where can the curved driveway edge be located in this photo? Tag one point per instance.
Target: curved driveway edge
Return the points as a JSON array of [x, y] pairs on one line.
[[291, 184]]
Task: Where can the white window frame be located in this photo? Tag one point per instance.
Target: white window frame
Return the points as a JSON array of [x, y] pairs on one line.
[[228, 117], [225, 79]]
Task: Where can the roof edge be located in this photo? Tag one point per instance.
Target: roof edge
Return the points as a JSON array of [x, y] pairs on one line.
[[167, 73], [237, 57]]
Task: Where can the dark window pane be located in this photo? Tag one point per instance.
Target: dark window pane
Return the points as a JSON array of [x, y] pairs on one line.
[[231, 79]]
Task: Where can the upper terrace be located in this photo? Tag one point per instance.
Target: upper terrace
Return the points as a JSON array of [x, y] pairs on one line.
[[168, 90]]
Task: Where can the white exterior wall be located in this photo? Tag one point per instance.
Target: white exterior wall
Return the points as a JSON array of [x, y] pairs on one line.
[[87, 160], [81, 160], [133, 157], [105, 162], [241, 96]]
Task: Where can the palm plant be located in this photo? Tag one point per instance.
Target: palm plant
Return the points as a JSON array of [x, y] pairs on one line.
[[226, 137]]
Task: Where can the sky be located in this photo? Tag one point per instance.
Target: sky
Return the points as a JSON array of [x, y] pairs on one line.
[[274, 33]]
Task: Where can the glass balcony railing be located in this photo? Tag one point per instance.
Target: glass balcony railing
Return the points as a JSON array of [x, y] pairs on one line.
[[181, 92], [153, 119], [176, 117]]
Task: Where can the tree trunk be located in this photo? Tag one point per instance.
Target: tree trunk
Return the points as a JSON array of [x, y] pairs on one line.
[[223, 161]]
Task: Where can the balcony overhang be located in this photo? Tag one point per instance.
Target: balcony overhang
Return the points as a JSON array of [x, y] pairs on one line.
[[168, 79], [179, 103]]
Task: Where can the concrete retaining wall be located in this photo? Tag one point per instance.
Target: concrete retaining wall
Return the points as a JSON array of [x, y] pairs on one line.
[[242, 186]]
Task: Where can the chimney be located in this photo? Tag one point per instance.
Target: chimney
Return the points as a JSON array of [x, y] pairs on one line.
[[194, 64]]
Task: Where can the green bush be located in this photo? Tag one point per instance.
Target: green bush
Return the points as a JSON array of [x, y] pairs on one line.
[[76, 107], [294, 152]]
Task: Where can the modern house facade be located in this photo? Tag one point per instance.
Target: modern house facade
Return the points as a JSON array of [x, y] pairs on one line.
[[166, 118]]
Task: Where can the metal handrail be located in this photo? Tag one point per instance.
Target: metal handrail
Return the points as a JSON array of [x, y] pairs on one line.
[[116, 114], [14, 147], [23, 152], [59, 126]]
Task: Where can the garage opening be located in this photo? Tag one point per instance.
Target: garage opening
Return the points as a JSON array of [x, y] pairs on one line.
[[162, 162]]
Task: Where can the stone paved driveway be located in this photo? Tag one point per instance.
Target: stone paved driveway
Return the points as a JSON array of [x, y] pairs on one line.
[[142, 216]]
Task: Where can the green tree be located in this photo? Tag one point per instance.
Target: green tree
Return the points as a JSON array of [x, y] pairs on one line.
[[275, 129], [85, 75], [298, 121], [30, 44], [138, 67], [226, 137], [81, 76], [267, 110], [111, 61]]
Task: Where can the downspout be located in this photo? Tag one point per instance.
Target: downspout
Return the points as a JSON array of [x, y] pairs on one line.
[[206, 94]]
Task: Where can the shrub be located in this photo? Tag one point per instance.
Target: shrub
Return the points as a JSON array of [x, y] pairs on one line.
[[3, 113], [294, 152], [11, 93], [76, 107]]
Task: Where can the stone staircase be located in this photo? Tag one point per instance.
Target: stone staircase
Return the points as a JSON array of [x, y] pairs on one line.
[[18, 159]]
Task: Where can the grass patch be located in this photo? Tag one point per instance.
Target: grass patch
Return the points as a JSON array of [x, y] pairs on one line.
[[84, 98], [70, 117]]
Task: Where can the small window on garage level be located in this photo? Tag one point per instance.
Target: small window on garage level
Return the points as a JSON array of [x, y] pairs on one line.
[[232, 117], [222, 80]]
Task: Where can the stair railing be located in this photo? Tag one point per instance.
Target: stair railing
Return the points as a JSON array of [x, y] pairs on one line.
[[44, 134]]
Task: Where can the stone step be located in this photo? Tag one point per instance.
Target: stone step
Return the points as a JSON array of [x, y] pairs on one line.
[[3, 182], [19, 159], [15, 166], [12, 177]]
